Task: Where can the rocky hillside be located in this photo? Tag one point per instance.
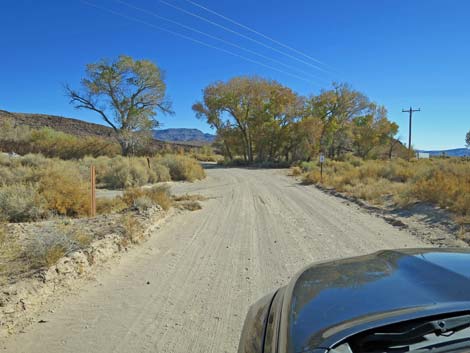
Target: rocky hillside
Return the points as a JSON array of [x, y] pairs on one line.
[[184, 135], [77, 127], [59, 123]]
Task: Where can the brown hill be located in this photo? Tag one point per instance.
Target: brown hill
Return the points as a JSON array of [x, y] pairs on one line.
[[73, 126], [59, 123]]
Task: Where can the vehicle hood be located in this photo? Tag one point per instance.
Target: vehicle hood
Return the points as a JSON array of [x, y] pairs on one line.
[[331, 297]]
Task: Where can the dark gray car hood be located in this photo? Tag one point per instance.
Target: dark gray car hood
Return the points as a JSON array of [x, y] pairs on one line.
[[340, 296]]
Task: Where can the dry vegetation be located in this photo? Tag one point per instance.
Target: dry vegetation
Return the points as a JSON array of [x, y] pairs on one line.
[[442, 182], [53, 194], [33, 187]]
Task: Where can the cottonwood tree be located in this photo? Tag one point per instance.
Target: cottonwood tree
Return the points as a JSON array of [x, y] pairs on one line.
[[467, 139], [259, 110], [262, 120], [372, 130], [335, 109], [127, 94]]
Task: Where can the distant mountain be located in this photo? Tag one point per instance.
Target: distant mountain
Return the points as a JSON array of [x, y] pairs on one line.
[[456, 152], [183, 135]]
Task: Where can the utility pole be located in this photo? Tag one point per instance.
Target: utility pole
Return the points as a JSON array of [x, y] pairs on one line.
[[411, 111]]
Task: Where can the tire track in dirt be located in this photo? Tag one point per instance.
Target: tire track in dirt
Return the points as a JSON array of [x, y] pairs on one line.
[[204, 268]]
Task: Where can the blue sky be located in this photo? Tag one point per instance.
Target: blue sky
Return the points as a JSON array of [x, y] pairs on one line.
[[399, 53]]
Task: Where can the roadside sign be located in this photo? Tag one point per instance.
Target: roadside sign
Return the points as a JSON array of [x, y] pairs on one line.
[[422, 155], [322, 160]]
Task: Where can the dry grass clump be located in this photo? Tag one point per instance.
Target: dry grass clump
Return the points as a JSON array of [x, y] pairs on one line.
[[189, 202], [21, 203], [189, 205], [53, 243], [182, 167], [10, 255], [110, 205], [296, 171], [189, 197], [132, 230], [445, 183], [143, 198]]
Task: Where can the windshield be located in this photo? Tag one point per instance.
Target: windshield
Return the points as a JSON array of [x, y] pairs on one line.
[[449, 334]]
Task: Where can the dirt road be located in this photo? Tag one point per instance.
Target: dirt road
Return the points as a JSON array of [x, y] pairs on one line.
[[188, 288]]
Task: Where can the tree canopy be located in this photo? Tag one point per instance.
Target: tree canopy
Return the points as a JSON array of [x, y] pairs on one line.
[[261, 120], [127, 94]]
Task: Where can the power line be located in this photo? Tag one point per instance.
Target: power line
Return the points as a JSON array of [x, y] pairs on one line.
[[255, 32], [194, 40], [410, 111], [242, 35], [195, 30]]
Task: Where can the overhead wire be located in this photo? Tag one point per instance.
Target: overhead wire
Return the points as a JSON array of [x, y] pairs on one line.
[[195, 30], [134, 19], [218, 14], [190, 13]]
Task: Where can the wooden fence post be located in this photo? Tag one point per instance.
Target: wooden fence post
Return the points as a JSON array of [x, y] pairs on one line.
[[93, 191]]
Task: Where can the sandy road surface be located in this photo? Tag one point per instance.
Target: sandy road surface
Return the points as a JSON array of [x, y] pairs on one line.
[[204, 268]]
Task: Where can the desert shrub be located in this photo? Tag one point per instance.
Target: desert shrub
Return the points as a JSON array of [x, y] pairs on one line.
[[118, 175], [189, 205], [158, 195], [296, 171], [159, 173], [443, 182], [47, 249], [182, 167], [206, 154], [34, 160], [189, 197], [54, 242], [11, 256], [449, 189], [131, 230], [21, 203], [143, 203], [110, 205], [65, 191], [312, 177], [132, 194], [121, 172], [54, 143]]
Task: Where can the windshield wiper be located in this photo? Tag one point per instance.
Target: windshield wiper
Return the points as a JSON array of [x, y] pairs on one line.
[[445, 347], [438, 327]]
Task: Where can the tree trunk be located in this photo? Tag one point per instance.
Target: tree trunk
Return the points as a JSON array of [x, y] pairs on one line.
[[227, 150]]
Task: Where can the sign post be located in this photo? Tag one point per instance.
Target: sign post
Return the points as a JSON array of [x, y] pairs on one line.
[[322, 160], [93, 191]]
